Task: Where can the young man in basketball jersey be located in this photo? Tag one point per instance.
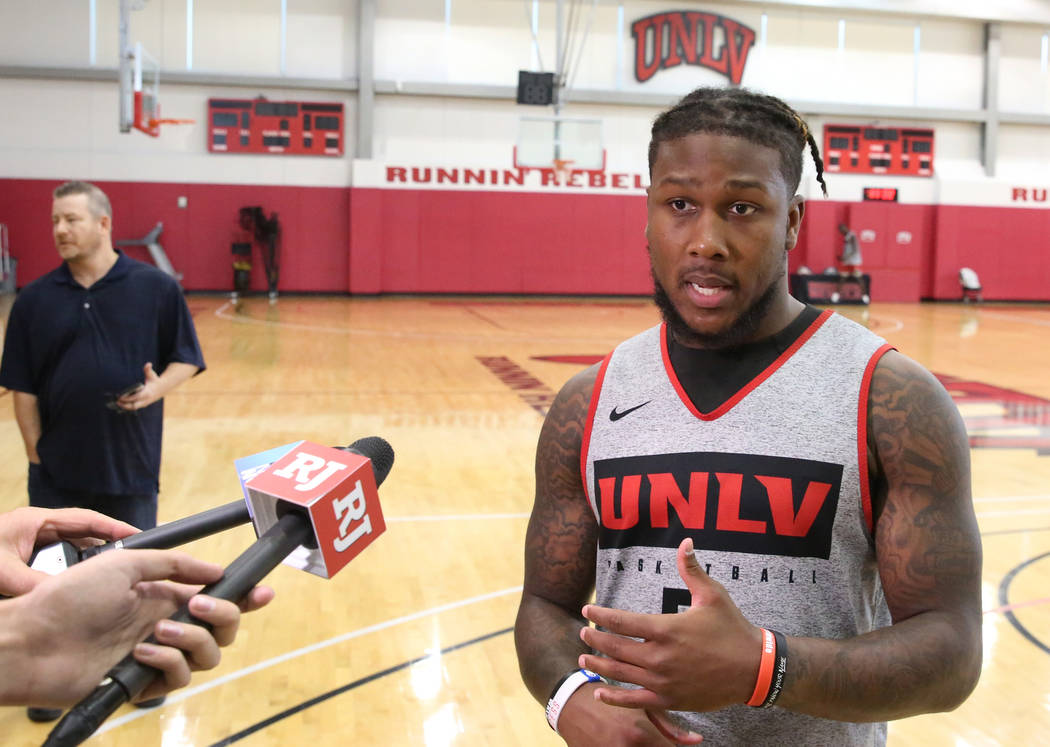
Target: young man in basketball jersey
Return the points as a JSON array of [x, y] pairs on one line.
[[771, 506]]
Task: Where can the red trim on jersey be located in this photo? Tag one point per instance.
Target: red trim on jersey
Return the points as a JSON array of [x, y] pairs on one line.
[[862, 435], [586, 444], [732, 401]]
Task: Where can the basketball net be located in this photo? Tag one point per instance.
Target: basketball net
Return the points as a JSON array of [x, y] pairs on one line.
[[563, 169]]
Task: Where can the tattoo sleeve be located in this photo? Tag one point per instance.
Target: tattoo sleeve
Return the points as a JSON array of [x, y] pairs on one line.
[[929, 556], [560, 547]]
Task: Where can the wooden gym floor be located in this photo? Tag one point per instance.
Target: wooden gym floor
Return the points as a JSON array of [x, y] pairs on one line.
[[411, 643]]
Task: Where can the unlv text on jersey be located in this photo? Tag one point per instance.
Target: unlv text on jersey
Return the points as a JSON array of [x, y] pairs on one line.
[[730, 502]]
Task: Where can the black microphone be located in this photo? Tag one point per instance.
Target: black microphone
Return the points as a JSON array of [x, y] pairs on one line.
[[56, 557], [180, 531], [60, 555], [294, 527]]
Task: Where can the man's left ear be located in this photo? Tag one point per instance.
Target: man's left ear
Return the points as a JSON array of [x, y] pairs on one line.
[[796, 209]]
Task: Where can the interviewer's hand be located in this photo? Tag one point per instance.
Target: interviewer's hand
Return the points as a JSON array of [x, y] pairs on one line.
[[27, 528], [73, 627]]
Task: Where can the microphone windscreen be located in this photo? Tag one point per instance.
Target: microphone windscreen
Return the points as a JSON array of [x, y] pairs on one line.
[[379, 451]]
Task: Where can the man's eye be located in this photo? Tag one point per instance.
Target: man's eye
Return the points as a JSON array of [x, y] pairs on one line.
[[679, 204], [742, 209]]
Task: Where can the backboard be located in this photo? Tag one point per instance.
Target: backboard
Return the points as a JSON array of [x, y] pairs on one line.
[[558, 142], [139, 82]]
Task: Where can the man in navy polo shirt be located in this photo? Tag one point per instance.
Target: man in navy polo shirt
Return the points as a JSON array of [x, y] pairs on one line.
[[91, 349]]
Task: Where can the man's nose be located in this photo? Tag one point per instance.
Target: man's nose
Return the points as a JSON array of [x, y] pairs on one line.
[[708, 237]]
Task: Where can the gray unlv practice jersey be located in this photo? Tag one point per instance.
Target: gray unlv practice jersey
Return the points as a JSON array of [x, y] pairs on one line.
[[771, 486]]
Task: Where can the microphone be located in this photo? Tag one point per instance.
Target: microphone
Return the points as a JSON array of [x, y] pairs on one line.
[[58, 556], [318, 496], [180, 531]]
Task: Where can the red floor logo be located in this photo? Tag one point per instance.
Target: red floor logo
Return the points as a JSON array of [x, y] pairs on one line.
[[1023, 420]]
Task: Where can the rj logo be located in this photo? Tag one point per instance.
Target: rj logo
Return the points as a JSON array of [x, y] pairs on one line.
[[349, 509], [304, 466]]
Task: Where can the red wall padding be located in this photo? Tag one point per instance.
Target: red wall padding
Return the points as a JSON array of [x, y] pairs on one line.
[[433, 241], [1008, 247], [497, 242], [314, 224]]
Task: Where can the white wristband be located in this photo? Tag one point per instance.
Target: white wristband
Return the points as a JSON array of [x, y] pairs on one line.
[[564, 689]]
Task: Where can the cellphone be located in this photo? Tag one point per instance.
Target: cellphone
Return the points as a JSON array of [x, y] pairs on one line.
[[111, 399]]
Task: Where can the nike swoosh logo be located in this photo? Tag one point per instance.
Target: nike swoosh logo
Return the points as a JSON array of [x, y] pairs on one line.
[[614, 415]]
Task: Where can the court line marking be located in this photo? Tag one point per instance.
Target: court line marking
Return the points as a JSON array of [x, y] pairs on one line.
[[1017, 606], [222, 313], [1025, 530], [1012, 498], [1015, 319], [180, 695], [456, 517], [899, 324], [361, 681], [1004, 600], [894, 325], [474, 312], [1019, 512]]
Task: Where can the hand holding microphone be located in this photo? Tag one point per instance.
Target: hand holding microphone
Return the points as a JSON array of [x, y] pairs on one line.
[[25, 528], [315, 498], [72, 628]]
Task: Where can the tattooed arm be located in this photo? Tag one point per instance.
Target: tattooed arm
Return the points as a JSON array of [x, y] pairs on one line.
[[560, 549], [929, 555]]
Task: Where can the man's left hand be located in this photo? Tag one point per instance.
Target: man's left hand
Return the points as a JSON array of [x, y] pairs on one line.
[[701, 659], [145, 394], [26, 528]]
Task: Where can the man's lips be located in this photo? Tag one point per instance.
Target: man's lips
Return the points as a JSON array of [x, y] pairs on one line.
[[707, 291]]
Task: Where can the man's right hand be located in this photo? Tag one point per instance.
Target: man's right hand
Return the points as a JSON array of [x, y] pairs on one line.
[[67, 632], [586, 722]]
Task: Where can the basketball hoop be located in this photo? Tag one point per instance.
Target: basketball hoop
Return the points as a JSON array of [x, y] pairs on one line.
[[140, 92], [146, 120]]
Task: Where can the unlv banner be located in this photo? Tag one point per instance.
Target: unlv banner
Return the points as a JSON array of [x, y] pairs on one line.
[[666, 40]]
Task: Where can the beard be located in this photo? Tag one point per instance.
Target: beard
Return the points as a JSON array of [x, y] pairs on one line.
[[743, 329]]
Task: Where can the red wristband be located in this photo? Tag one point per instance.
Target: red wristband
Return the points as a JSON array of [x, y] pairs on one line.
[[765, 669]]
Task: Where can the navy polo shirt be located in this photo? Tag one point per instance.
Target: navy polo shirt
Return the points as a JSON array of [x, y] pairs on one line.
[[76, 348]]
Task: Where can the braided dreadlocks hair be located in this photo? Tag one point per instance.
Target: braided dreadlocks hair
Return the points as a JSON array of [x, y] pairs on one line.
[[739, 112]]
